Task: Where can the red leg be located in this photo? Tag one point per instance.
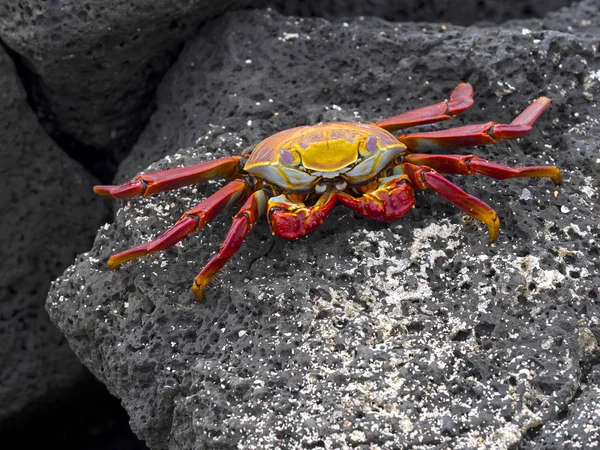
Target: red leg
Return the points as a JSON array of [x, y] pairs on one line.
[[166, 180], [292, 220], [471, 165], [244, 220], [460, 99], [392, 199], [423, 177], [190, 222], [480, 134]]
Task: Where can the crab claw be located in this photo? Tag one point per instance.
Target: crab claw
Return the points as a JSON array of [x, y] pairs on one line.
[[392, 200], [294, 220]]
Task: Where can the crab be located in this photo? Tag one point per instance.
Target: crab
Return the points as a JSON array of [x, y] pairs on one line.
[[296, 177]]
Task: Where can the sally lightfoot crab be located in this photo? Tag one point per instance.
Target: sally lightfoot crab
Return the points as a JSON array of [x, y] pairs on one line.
[[296, 176]]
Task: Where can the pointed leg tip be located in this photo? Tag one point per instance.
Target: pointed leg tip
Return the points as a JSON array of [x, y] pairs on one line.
[[492, 238], [104, 191], [467, 88], [198, 291], [117, 260], [494, 230], [544, 100], [557, 177], [128, 190], [461, 99], [113, 263]]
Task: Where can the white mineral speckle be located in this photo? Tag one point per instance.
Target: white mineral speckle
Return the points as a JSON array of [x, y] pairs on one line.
[[289, 36], [589, 191], [526, 194]]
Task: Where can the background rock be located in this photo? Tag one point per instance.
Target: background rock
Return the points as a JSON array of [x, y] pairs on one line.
[[91, 70], [415, 53], [92, 67], [416, 332], [49, 214], [458, 12]]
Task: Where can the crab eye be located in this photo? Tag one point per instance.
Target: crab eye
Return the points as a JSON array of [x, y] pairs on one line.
[[287, 157], [371, 144]]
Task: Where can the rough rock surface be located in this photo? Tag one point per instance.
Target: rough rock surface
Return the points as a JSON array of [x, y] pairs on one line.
[[48, 215], [93, 66], [459, 12], [413, 334]]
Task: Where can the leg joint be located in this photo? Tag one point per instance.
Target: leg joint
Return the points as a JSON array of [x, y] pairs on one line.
[[467, 162], [144, 185], [197, 223], [246, 216], [490, 133], [423, 179]]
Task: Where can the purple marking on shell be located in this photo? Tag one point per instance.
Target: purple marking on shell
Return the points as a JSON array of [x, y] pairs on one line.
[[286, 156], [371, 144]]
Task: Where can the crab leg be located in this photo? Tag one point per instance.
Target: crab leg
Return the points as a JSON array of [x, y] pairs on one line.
[[292, 220], [151, 183], [392, 199], [460, 99], [191, 221], [471, 165], [254, 207], [424, 177], [479, 134]]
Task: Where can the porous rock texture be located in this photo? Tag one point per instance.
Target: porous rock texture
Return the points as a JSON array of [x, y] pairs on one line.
[[415, 334], [93, 66], [49, 213], [458, 12]]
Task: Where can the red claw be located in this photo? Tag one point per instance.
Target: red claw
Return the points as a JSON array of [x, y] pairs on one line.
[[294, 221], [391, 201]]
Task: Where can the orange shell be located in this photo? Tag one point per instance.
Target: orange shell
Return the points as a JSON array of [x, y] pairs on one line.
[[326, 148]]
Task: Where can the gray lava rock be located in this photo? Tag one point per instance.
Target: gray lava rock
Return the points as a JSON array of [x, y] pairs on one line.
[[96, 65], [92, 68], [49, 213], [411, 334], [581, 425], [459, 12]]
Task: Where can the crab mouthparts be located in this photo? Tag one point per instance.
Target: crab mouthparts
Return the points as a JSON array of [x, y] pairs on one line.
[[337, 182]]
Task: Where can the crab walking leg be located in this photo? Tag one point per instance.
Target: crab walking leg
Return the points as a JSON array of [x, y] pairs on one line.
[[460, 100], [254, 207], [471, 165], [292, 220], [151, 183], [424, 177], [479, 134], [392, 199], [191, 221]]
